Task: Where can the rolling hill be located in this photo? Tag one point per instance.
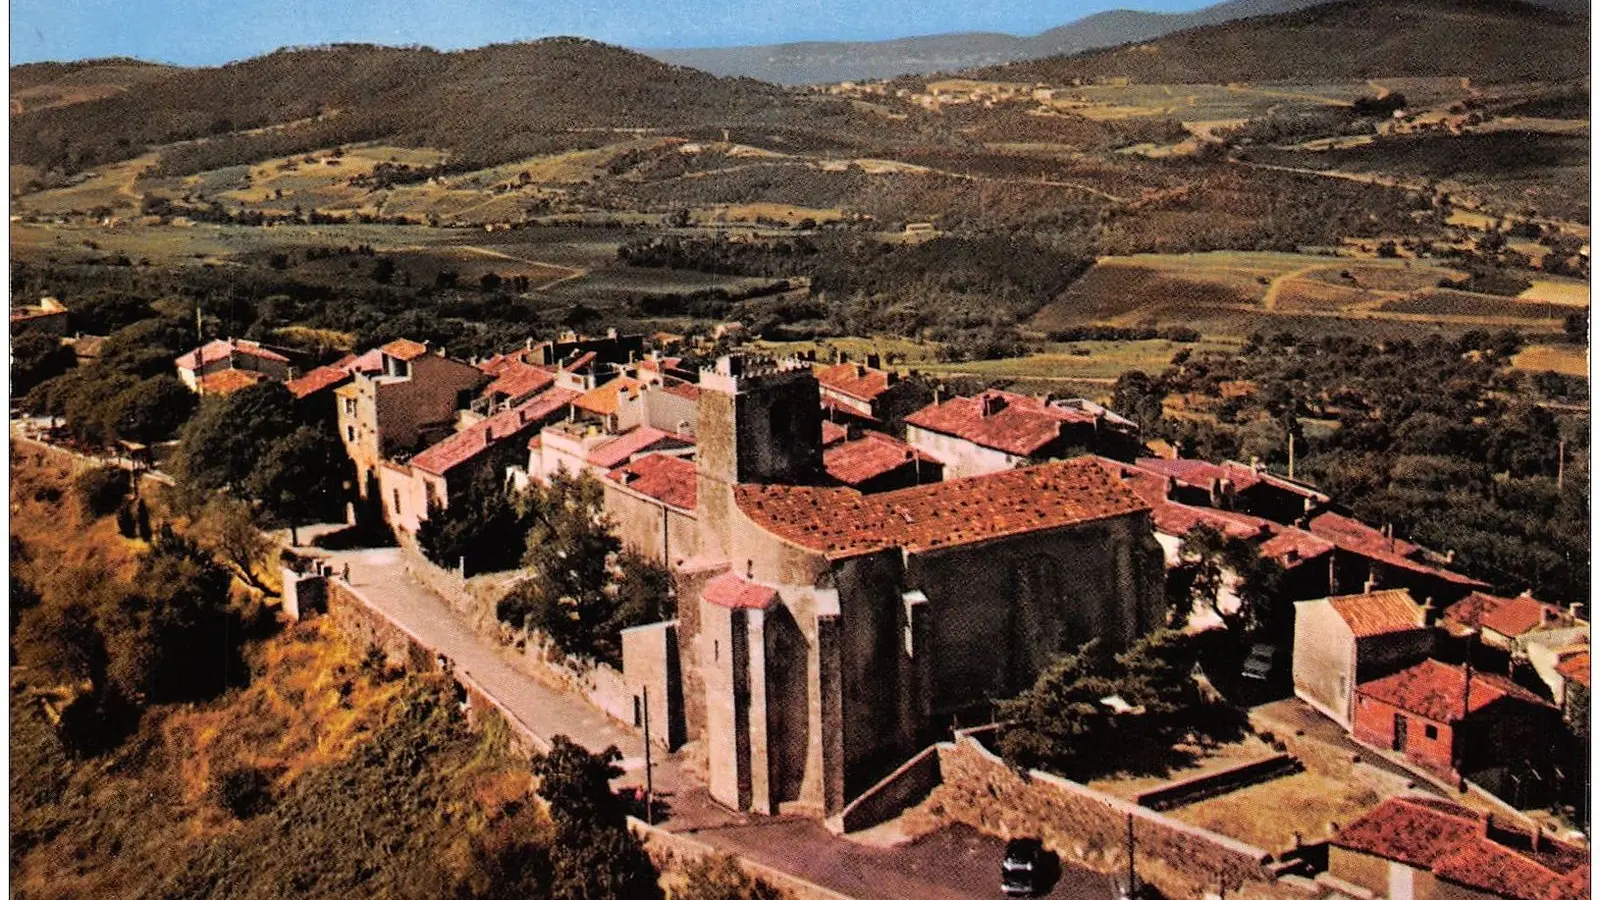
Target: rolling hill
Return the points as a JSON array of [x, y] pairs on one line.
[[485, 106], [1485, 40], [816, 62]]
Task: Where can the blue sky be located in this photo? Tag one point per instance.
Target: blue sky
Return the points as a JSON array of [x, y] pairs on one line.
[[208, 32]]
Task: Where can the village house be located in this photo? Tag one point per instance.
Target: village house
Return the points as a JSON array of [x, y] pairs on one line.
[[441, 474], [314, 391], [1365, 557], [409, 402], [867, 392], [1342, 642], [223, 366], [1522, 637], [1459, 724], [876, 462], [998, 430], [1230, 485], [823, 634], [1417, 847]]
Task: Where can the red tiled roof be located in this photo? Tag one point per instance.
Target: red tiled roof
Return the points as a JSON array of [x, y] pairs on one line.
[[1179, 518], [1014, 424], [1436, 690], [680, 388], [229, 380], [670, 479], [1470, 610], [619, 450], [518, 380], [833, 434], [870, 456], [853, 380], [321, 378], [1457, 844], [580, 362], [218, 350], [1301, 543], [603, 400], [1191, 472], [1518, 616], [733, 592], [370, 361], [1410, 830], [1575, 668], [841, 522], [404, 349], [1363, 540], [1380, 612], [468, 443]]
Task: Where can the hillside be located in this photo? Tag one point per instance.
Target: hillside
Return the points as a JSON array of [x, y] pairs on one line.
[[816, 62], [487, 105], [1485, 40]]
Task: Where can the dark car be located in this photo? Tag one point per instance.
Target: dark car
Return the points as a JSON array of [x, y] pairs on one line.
[[1021, 869], [1261, 663]]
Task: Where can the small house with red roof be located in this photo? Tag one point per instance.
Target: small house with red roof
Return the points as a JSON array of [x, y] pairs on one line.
[[1458, 723], [1341, 642], [1366, 557], [48, 316], [998, 430], [314, 391], [870, 393], [440, 474], [1418, 847], [260, 362], [395, 409], [1235, 486], [876, 462], [651, 498]]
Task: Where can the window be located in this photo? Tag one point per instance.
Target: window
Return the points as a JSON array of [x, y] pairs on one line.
[[638, 713], [350, 405], [1431, 732], [716, 650], [350, 433], [397, 501]]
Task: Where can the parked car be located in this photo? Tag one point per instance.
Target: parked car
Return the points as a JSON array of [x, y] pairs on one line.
[[1021, 868], [1258, 665]]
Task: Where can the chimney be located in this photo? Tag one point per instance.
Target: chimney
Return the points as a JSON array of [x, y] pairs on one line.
[[991, 404], [873, 360], [1545, 616], [838, 355], [891, 377], [1488, 823], [1576, 610], [1430, 612], [611, 334], [1449, 557], [1172, 487], [1371, 582], [1255, 464]]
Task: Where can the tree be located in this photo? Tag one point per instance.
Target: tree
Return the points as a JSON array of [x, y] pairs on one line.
[[1210, 563], [582, 590], [173, 637], [595, 856], [151, 410], [227, 527], [1060, 723], [36, 358], [299, 478], [101, 490], [226, 440], [485, 528]]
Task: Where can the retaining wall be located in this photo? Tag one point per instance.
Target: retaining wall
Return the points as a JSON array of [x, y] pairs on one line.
[[662, 844], [904, 788], [1192, 790], [1080, 824]]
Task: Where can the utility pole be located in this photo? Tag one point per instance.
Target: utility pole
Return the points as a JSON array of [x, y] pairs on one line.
[[1291, 455], [1131, 886], [1561, 462], [649, 780]]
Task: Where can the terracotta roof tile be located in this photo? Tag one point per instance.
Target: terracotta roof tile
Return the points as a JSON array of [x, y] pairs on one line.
[[853, 380], [1000, 420], [229, 380], [321, 378], [518, 380], [833, 434], [1457, 844], [869, 456], [1179, 518], [1377, 613], [404, 349], [218, 350], [1518, 616], [1436, 690], [841, 522], [680, 388], [1362, 539], [733, 592], [615, 452], [1293, 546], [1575, 668], [670, 479], [603, 400], [1410, 830], [467, 444]]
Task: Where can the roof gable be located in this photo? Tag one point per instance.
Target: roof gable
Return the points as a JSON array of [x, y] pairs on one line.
[[1378, 613], [999, 420]]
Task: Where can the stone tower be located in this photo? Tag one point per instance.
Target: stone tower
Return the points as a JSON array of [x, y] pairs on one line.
[[759, 423]]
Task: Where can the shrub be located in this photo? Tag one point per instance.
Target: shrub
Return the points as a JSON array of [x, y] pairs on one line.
[[243, 792], [101, 490]]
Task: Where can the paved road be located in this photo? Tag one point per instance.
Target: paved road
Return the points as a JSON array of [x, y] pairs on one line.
[[953, 863]]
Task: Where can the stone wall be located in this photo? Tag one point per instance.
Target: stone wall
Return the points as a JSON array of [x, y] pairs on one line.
[[904, 788], [1192, 790], [664, 845], [1088, 827]]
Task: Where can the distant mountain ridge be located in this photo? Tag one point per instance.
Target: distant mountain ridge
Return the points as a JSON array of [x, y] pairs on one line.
[[1484, 40], [817, 62]]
